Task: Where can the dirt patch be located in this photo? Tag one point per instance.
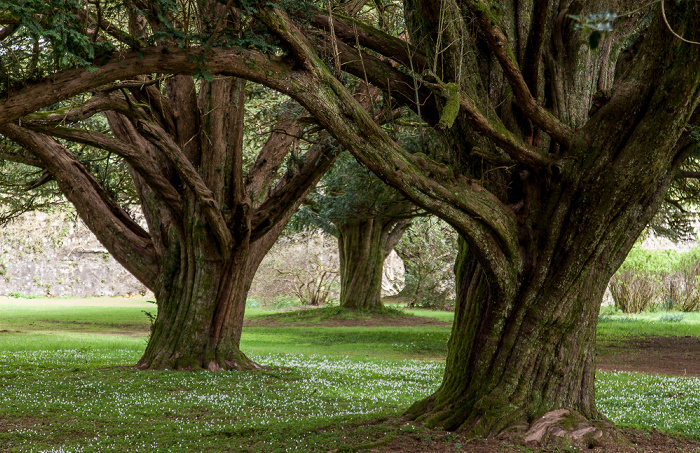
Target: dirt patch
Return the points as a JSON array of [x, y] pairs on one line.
[[639, 441], [673, 356]]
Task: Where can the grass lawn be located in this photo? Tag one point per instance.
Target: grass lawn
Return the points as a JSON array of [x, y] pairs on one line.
[[65, 384]]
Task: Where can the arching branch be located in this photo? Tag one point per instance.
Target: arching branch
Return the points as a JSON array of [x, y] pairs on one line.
[[470, 208], [123, 237], [271, 71], [138, 160]]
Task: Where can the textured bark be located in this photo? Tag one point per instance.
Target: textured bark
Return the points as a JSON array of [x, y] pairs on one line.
[[536, 258], [361, 253], [363, 245]]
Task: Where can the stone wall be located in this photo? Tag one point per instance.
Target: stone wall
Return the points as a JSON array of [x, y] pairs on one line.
[[56, 255]]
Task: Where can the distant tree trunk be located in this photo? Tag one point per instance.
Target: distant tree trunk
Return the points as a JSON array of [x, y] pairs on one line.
[[363, 245]]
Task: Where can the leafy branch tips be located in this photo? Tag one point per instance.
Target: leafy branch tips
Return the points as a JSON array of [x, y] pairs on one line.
[[595, 24]]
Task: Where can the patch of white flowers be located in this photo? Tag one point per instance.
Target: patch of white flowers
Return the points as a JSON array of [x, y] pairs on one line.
[[669, 403], [167, 411]]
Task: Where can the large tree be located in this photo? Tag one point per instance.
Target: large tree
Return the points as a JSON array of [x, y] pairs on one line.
[[211, 217], [558, 153], [368, 219]]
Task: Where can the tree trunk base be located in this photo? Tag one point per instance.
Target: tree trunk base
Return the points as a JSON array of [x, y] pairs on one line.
[[558, 428], [231, 362], [568, 428]]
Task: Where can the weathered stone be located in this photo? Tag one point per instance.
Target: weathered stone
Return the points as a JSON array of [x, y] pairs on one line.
[[393, 280], [57, 255]]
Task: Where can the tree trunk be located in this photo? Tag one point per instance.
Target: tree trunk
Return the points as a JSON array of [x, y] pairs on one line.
[[518, 353], [501, 370], [361, 252], [201, 298]]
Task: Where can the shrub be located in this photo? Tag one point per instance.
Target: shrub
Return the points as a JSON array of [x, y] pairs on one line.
[[302, 264], [428, 249], [634, 291], [666, 279]]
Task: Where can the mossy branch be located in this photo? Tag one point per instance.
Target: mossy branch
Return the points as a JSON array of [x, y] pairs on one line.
[[498, 44], [517, 149], [451, 108]]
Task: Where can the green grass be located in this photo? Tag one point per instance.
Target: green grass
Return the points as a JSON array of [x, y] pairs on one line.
[[426, 343], [101, 315], [612, 326], [68, 401], [65, 386]]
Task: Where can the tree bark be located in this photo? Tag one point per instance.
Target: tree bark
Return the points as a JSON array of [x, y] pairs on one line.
[[538, 250], [361, 253], [363, 245], [201, 299]]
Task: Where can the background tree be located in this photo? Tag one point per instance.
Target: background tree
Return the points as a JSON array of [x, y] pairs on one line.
[[368, 219], [547, 194], [428, 250]]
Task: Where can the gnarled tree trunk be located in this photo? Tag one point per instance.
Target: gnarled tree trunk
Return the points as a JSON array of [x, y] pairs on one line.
[[363, 246]]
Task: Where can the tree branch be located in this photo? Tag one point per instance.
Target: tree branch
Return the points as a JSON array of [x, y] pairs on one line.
[[381, 74], [533, 48], [394, 236], [689, 174], [96, 104], [138, 160], [292, 187], [351, 30], [123, 237], [111, 29], [471, 209], [20, 156], [271, 71], [192, 179], [261, 175], [498, 43], [40, 181]]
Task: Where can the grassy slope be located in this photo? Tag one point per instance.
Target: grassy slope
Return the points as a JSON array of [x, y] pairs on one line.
[[59, 388]]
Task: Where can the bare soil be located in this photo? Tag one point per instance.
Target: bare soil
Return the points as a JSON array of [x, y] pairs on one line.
[[673, 356]]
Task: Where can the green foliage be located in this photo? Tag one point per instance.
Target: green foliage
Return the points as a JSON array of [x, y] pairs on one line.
[[652, 279], [50, 36], [429, 249], [347, 190]]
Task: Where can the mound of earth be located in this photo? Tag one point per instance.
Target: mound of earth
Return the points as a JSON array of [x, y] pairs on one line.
[[335, 317]]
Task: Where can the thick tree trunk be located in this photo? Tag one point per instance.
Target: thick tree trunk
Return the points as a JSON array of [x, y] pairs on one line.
[[201, 301], [363, 245], [361, 252], [519, 353], [501, 370]]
